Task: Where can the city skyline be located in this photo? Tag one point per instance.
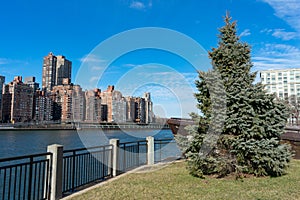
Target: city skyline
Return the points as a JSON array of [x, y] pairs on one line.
[[271, 27]]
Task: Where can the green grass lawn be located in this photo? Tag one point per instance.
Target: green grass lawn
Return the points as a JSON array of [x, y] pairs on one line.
[[174, 182]]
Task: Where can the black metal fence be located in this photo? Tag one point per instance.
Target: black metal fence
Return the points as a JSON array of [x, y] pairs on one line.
[[131, 155], [85, 165], [29, 177], [164, 154], [25, 177]]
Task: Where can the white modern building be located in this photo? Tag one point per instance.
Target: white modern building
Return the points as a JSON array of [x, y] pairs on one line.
[[284, 82]]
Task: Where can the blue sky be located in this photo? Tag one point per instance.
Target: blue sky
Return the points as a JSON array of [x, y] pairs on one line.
[[31, 29]]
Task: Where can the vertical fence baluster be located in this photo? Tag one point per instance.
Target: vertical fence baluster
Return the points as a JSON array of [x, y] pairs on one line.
[[137, 154], [20, 181], [4, 183], [25, 181], [34, 179], [39, 180], [103, 162], [160, 151], [9, 183], [111, 162], [73, 169], [124, 158], [30, 178]]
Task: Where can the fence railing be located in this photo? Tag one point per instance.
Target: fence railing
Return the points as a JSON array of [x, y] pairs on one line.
[[25, 177], [161, 153], [60, 172], [131, 155], [84, 166]]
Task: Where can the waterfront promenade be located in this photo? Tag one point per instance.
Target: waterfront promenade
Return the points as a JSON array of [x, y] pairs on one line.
[[61, 171]]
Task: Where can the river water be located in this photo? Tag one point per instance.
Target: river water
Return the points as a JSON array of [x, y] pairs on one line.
[[18, 143]]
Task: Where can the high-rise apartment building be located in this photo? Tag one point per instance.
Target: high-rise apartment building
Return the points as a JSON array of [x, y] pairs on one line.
[[106, 98], [118, 108], [130, 109], [55, 69], [17, 101], [116, 105], [285, 83], [63, 69], [140, 114], [78, 104], [148, 108], [93, 105], [2, 81], [69, 101], [49, 72], [30, 81], [43, 107]]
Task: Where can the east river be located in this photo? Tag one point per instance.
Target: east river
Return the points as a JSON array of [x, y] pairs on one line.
[[18, 143]]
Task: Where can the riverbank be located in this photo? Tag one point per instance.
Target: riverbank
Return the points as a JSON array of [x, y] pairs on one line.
[[83, 126]]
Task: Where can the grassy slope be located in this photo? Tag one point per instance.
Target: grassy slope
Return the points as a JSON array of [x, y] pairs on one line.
[[174, 182]]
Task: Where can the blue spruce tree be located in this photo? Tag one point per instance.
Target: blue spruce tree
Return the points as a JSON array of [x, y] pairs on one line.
[[251, 124]]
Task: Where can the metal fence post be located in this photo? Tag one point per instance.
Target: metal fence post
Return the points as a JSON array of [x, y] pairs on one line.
[[56, 171], [115, 156], [150, 151]]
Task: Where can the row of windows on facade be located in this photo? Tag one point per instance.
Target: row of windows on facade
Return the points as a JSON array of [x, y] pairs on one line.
[[284, 79]]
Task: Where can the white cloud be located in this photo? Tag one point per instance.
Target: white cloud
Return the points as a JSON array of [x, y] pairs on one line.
[[287, 10], [129, 65], [93, 79], [281, 33], [90, 58], [246, 32], [137, 5], [266, 30], [3, 61], [285, 35], [277, 56], [97, 68]]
